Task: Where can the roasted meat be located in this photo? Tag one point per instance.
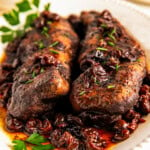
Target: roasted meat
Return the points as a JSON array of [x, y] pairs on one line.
[[46, 53], [113, 66]]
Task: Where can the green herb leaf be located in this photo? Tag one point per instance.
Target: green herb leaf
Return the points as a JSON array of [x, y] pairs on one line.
[[43, 147], [47, 7], [138, 60], [118, 48], [101, 49], [36, 139], [19, 33], [42, 70], [19, 145], [113, 31], [117, 67], [23, 6], [29, 81], [104, 62], [98, 37], [26, 72], [103, 25], [96, 81], [111, 34], [49, 22], [40, 44], [12, 18], [54, 44], [29, 20], [33, 74], [111, 43], [7, 38], [36, 3], [5, 29], [81, 93], [53, 51], [112, 37], [110, 86], [45, 31]]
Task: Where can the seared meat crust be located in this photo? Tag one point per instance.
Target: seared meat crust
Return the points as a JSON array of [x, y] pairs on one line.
[[113, 67], [45, 74]]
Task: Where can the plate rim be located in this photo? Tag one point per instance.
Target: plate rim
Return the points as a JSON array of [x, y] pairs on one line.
[[136, 10]]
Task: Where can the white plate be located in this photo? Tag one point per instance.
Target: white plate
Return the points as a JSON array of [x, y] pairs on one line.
[[134, 21]]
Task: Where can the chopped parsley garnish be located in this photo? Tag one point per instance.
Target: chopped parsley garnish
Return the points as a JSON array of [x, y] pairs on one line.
[[111, 34], [19, 33], [103, 25], [45, 31], [33, 74], [54, 44], [47, 7], [81, 93], [5, 29], [42, 70], [110, 86], [40, 44], [111, 43], [96, 81], [35, 141], [43, 147], [7, 37], [36, 3], [113, 31], [118, 48], [104, 62], [29, 20], [117, 67], [98, 37], [23, 6], [101, 40], [101, 49], [138, 60], [53, 51], [28, 81], [12, 18], [19, 145], [112, 37], [49, 22], [26, 72]]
